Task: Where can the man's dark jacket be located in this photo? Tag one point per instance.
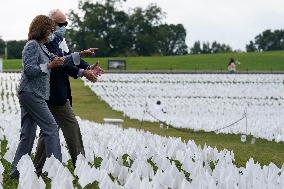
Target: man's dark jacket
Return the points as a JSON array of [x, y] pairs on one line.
[[60, 89]]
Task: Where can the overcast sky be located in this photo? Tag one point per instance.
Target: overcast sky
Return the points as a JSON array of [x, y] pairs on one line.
[[234, 22]]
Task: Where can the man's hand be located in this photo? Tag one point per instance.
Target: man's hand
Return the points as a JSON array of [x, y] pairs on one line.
[[97, 69], [88, 52], [90, 75], [57, 61]]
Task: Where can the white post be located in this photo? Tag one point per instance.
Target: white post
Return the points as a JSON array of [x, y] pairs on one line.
[[246, 122], [1, 65]]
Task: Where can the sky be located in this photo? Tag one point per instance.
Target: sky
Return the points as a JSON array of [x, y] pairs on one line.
[[233, 22]]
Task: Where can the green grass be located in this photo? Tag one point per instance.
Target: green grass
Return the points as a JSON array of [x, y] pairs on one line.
[[264, 61], [12, 64], [88, 106]]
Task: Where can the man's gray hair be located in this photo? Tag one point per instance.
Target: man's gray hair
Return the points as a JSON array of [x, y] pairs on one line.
[[53, 12]]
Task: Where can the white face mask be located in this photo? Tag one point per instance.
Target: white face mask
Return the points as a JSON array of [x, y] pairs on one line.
[[51, 37]]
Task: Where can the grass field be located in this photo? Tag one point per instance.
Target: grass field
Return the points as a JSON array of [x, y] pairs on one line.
[[88, 106], [264, 61], [12, 64]]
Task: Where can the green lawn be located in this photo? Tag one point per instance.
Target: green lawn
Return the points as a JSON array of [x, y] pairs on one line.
[[264, 61], [88, 106], [12, 64]]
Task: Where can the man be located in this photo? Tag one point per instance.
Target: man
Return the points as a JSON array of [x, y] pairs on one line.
[[60, 100]]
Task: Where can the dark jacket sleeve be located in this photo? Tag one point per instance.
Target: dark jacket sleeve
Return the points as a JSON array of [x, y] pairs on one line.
[[72, 71], [83, 64]]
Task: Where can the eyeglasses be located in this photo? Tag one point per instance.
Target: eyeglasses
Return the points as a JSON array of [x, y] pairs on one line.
[[62, 24]]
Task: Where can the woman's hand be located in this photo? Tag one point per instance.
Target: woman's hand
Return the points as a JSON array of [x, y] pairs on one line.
[[88, 52], [57, 61]]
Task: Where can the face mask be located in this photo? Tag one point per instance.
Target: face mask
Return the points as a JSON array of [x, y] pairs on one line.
[[60, 31], [50, 37]]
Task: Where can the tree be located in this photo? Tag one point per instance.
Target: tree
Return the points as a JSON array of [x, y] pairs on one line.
[[216, 47], [267, 41], [142, 25], [101, 26], [196, 49], [251, 47], [171, 39], [15, 48], [117, 33], [208, 48], [2, 47]]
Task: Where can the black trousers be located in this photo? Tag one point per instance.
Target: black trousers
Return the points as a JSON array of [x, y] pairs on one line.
[[67, 122]]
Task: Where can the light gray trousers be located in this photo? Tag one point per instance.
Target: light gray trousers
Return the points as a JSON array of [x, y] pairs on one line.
[[34, 111]]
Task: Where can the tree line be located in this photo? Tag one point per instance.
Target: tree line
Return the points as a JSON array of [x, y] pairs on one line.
[[14, 48], [207, 48], [267, 41], [138, 32]]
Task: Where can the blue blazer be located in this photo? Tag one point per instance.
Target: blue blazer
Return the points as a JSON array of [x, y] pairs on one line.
[[60, 89]]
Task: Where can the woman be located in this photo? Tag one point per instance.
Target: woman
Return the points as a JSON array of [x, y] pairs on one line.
[[34, 91], [232, 66]]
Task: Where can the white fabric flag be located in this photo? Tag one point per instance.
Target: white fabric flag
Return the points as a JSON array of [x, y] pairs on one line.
[[63, 45], [133, 181], [28, 178], [1, 172]]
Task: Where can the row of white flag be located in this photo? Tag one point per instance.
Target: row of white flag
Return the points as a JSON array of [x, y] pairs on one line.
[[199, 101], [201, 167]]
